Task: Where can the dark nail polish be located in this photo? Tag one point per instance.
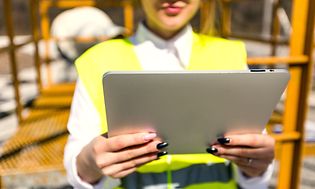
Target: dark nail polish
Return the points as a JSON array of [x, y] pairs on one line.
[[223, 140], [212, 150], [161, 145], [105, 135], [161, 154]]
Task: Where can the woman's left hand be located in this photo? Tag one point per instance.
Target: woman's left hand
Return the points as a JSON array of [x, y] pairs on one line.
[[252, 153]]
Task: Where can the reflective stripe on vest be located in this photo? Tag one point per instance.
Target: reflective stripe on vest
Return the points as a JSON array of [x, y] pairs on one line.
[[208, 53], [194, 176]]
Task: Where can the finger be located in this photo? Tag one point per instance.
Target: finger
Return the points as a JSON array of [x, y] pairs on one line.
[[240, 161], [144, 128], [118, 143], [250, 140], [245, 152], [124, 173], [116, 168], [243, 131], [107, 159]]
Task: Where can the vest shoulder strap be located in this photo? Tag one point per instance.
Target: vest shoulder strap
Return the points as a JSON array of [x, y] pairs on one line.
[[212, 53], [107, 56]]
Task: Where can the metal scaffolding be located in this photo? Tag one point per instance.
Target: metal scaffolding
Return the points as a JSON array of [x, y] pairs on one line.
[[290, 144]]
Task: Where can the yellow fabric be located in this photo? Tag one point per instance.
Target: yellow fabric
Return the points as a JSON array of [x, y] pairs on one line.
[[92, 65], [179, 161], [208, 53]]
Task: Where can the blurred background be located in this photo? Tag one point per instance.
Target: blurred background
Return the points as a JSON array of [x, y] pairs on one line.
[[40, 39]]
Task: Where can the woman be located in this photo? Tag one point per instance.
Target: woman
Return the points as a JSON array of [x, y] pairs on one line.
[[133, 159]]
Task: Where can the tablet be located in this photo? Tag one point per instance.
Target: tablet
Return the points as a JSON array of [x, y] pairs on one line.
[[189, 109]]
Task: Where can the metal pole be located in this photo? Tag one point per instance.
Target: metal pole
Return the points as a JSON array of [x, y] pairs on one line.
[[45, 29], [128, 16], [35, 35], [267, 17], [306, 81], [303, 14], [275, 30], [7, 9]]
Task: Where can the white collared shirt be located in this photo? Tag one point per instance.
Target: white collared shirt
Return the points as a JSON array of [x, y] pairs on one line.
[[153, 53]]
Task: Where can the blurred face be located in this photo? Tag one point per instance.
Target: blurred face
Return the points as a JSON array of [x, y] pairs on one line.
[[167, 17]]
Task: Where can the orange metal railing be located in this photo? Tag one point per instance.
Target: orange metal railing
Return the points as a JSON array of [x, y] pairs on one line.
[[290, 143]]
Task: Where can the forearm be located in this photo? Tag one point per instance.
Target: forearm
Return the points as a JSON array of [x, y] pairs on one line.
[[72, 149], [83, 126]]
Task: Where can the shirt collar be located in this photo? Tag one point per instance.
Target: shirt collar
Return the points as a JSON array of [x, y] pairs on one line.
[[181, 42]]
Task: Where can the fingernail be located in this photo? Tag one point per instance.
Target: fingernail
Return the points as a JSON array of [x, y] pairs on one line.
[[224, 140], [212, 150], [162, 154], [105, 135], [161, 145], [149, 137]]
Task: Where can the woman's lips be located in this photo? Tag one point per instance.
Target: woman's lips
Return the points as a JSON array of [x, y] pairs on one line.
[[173, 9]]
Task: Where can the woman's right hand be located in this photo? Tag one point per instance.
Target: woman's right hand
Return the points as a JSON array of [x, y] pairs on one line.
[[117, 156]]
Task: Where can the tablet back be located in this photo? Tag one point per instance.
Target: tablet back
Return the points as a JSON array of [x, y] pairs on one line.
[[190, 109]]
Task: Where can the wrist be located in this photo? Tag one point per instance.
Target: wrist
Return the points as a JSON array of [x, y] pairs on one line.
[[250, 175], [86, 169]]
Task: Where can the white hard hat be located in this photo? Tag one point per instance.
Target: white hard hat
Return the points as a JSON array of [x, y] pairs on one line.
[[82, 22]]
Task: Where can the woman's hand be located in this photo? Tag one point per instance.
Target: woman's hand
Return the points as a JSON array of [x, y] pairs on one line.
[[117, 156], [251, 152]]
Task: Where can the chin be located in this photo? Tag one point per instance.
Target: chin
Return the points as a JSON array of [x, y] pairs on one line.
[[174, 24]]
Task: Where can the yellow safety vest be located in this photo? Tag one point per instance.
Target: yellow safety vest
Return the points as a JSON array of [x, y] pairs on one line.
[[172, 171]]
